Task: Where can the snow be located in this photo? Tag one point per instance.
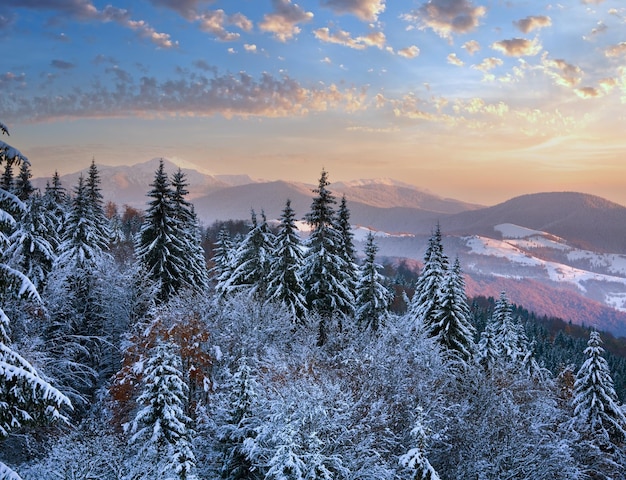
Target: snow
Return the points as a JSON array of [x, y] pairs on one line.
[[510, 230]]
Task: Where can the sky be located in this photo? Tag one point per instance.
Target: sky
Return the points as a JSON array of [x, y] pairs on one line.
[[470, 99]]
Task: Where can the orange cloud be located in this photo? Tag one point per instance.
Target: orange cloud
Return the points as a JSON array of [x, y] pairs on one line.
[[517, 47], [341, 37], [409, 52], [532, 22], [283, 23], [367, 10]]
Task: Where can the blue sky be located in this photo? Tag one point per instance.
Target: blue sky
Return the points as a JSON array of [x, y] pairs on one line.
[[477, 100]]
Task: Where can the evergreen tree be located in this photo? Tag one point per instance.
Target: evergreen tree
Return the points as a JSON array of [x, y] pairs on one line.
[[451, 323], [488, 349], [22, 185], [95, 203], [161, 426], [239, 425], [325, 271], [372, 296], [425, 302], [7, 180], [83, 245], [415, 459], [285, 284], [55, 201], [223, 253], [26, 397], [596, 409], [161, 249], [510, 336], [190, 230], [251, 262], [32, 245], [347, 250]]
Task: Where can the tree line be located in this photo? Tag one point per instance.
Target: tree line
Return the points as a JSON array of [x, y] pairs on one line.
[[283, 360]]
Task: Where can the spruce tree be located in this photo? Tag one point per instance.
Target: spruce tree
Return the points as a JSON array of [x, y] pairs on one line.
[[415, 460], [347, 249], [596, 409], [23, 187], [95, 203], [223, 252], [189, 229], [161, 428], [425, 302], [26, 397], [451, 323], [250, 271], [325, 271], [372, 296], [160, 247], [285, 285]]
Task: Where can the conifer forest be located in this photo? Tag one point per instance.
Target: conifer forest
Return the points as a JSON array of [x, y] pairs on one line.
[[143, 345]]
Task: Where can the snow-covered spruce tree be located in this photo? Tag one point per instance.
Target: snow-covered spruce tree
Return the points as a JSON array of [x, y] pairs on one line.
[[26, 397], [451, 323], [510, 337], [32, 245], [425, 302], [325, 271], [238, 425], [488, 350], [223, 253], [372, 296], [596, 409], [161, 428], [415, 460], [347, 249], [250, 270], [56, 202], [96, 203], [161, 249], [285, 285], [23, 187], [188, 220]]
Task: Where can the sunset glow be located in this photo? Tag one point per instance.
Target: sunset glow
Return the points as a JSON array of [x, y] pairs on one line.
[[476, 100]]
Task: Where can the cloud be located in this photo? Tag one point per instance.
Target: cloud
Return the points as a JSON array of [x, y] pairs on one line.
[[588, 92], [471, 46], [563, 73], [517, 47], [84, 10], [409, 52], [341, 37], [601, 28], [186, 8], [189, 94], [488, 64], [214, 22], [454, 60], [531, 23], [283, 23], [250, 48], [447, 17], [62, 64], [367, 10], [616, 50]]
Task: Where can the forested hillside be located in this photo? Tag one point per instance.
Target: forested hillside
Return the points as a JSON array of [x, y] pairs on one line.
[[125, 356]]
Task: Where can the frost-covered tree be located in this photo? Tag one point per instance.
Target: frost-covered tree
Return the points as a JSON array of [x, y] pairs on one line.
[[32, 245], [415, 460], [488, 349], [451, 323], [161, 428], [251, 264], [223, 253], [187, 219], [238, 426], [596, 409], [26, 397], [325, 271], [510, 337], [347, 249], [95, 203], [23, 186], [83, 244], [161, 247], [372, 296], [425, 302], [285, 282]]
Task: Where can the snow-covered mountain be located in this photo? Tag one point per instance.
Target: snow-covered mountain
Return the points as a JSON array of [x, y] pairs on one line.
[[560, 253]]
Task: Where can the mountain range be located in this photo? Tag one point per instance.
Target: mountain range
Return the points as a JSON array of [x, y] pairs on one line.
[[560, 254]]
